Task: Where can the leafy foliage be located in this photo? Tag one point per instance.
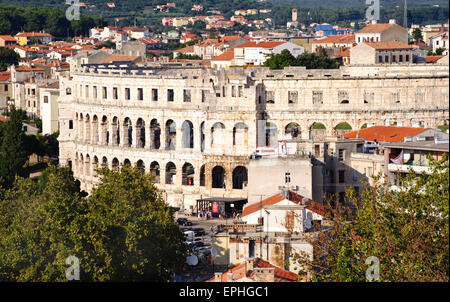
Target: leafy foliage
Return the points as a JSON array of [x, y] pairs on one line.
[[124, 232], [310, 60], [407, 230], [8, 57]]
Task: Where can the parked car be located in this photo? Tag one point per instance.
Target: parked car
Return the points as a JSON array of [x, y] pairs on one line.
[[181, 221], [199, 231], [188, 223]]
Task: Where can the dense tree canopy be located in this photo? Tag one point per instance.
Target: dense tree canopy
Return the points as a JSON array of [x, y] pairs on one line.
[[124, 232], [309, 60], [407, 230], [8, 57]]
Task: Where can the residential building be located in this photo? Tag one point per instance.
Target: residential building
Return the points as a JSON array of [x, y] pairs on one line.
[[382, 33], [7, 40], [372, 53], [24, 37], [256, 53]]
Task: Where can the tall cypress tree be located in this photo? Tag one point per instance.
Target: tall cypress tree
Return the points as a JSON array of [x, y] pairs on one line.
[[13, 154]]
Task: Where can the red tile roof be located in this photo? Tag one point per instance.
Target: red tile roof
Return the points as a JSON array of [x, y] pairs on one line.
[[432, 59], [240, 271], [389, 45], [226, 56], [5, 76], [385, 133], [337, 39], [376, 28], [33, 34], [7, 38], [249, 209], [265, 44]]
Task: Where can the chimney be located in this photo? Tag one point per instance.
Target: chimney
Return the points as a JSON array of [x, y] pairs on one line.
[[217, 277], [392, 21], [265, 274], [441, 29], [374, 21]]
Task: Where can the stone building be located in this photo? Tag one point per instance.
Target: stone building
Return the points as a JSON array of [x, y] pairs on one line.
[[194, 128], [371, 53]]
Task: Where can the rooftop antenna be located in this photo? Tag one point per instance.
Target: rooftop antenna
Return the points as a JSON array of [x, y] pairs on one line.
[[405, 16]]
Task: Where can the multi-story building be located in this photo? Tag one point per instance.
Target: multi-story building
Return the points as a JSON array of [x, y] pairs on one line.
[[382, 33], [5, 90], [194, 128]]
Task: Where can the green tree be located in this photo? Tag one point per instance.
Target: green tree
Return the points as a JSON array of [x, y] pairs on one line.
[[8, 57], [310, 60], [407, 230], [13, 154], [417, 34], [124, 232]]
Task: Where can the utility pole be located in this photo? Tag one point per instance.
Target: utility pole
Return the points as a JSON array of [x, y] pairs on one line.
[[260, 215], [405, 16]]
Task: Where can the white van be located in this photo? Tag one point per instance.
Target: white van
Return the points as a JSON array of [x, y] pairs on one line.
[[189, 235]]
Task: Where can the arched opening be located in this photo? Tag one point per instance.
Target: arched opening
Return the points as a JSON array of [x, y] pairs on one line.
[[344, 102], [217, 134], [115, 164], [128, 132], [127, 162], [140, 166], [240, 135], [88, 165], [155, 134], [342, 128], [202, 175], [81, 128], [105, 133], [140, 133], [239, 177], [271, 135], [81, 168], [218, 177], [317, 131], [87, 137], [187, 134], [171, 172], [202, 137], [115, 135], [95, 163], [154, 170], [187, 175], [95, 129], [171, 135], [104, 162], [292, 131]]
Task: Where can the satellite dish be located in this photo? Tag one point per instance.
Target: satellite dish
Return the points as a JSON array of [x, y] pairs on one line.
[[192, 260], [214, 252]]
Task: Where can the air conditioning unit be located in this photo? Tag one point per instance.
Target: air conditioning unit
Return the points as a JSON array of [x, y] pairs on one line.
[[421, 138], [408, 139]]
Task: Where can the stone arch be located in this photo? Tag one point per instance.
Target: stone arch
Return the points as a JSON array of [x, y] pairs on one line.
[[94, 163], [317, 130], [202, 175], [104, 131], [292, 131], [104, 162], [115, 135], [344, 102], [240, 135], [88, 165], [155, 134], [140, 133], [171, 135], [218, 177], [342, 127], [115, 164], [171, 172], [240, 177], [154, 170], [202, 137], [217, 134], [127, 162], [140, 165], [81, 127], [81, 162], [271, 135], [127, 132], [187, 175], [187, 134], [94, 129], [87, 125]]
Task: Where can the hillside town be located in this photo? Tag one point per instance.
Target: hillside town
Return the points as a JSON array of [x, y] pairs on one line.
[[250, 156]]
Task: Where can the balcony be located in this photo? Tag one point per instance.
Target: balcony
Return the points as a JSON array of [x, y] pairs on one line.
[[405, 168]]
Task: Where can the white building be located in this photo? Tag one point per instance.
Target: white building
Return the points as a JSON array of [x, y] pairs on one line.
[[49, 108], [440, 41], [382, 33], [256, 53]]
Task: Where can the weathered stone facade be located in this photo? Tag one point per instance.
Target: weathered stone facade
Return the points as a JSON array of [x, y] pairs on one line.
[[194, 128]]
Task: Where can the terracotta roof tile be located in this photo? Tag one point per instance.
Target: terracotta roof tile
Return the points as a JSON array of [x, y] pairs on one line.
[[249, 209], [265, 44], [389, 45], [7, 38], [432, 59], [337, 39], [5, 76], [376, 28], [385, 133], [226, 56]]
